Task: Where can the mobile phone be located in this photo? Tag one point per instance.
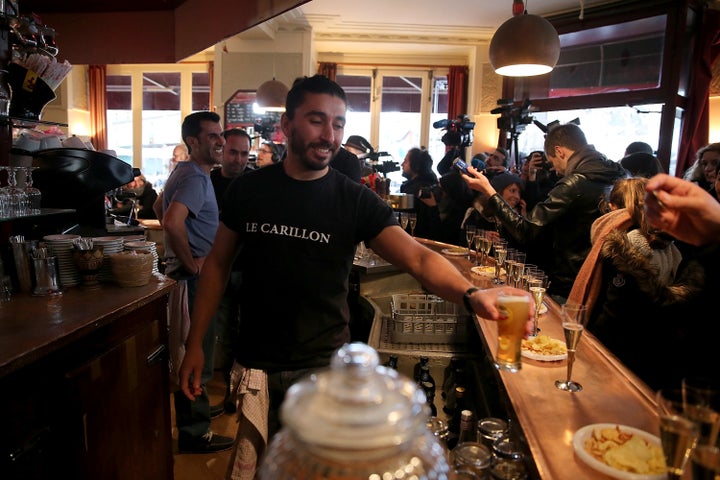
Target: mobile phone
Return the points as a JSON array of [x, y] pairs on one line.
[[460, 165]]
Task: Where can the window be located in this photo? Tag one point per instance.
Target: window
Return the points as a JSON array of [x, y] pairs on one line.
[[395, 109], [162, 95]]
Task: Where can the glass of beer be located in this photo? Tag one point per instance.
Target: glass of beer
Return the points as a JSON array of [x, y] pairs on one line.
[[515, 312]]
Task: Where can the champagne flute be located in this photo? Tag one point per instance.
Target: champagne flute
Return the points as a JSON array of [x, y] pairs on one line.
[[403, 217], [574, 319], [678, 432], [486, 246], [479, 240], [538, 294], [412, 221], [500, 250], [469, 235]]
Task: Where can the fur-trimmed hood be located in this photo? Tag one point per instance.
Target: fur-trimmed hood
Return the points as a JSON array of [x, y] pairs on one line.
[[631, 260]]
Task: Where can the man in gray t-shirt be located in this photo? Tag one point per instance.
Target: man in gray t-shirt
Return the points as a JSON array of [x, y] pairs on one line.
[[190, 220]]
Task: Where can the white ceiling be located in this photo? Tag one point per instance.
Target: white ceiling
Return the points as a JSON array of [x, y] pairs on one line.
[[419, 26]]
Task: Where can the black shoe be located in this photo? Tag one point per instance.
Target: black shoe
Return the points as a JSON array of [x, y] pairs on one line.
[[208, 443], [217, 410]]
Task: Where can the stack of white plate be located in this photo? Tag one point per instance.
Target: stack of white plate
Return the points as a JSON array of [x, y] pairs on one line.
[[148, 246], [111, 246], [62, 248]]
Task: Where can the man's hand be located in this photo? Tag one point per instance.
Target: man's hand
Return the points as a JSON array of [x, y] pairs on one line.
[[191, 371], [478, 181], [683, 209]]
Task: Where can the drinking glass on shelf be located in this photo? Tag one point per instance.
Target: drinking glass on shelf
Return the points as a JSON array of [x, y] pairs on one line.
[[34, 196], [412, 221], [678, 432], [574, 319]]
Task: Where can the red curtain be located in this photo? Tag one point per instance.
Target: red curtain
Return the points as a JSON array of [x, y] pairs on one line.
[[696, 123], [328, 69], [457, 90], [97, 75]]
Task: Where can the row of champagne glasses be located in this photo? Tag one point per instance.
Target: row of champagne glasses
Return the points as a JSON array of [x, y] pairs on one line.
[[15, 201], [408, 220]]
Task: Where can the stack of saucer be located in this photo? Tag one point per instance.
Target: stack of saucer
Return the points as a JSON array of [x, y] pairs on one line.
[[111, 246], [62, 248], [148, 246]]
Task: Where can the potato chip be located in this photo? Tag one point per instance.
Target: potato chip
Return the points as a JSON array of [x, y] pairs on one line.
[[544, 345]]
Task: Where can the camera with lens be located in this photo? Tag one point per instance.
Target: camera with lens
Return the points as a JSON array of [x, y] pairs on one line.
[[264, 127], [461, 129], [429, 192]]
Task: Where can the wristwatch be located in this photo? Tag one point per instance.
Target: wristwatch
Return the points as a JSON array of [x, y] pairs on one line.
[[466, 298]]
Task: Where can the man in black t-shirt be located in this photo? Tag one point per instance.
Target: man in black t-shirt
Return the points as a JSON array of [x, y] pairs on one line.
[[294, 226]]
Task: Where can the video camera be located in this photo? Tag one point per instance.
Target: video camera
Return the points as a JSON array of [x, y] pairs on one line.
[[384, 167], [512, 118], [264, 127], [461, 127]]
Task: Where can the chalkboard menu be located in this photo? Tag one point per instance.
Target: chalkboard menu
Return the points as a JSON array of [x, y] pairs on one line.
[[239, 111]]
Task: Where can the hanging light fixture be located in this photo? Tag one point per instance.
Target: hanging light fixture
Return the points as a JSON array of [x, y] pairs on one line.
[[271, 96], [525, 45]]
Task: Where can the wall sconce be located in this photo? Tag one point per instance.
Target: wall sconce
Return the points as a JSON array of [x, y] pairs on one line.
[[524, 46], [271, 96]]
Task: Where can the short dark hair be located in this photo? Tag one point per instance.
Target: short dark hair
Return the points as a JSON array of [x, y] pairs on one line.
[[192, 125], [567, 135], [237, 132], [314, 84]]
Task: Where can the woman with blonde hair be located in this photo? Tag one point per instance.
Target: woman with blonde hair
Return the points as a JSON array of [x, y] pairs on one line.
[[706, 164], [634, 285]]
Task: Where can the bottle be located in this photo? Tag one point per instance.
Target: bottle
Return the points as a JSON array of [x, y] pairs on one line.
[[454, 424], [418, 366], [429, 390], [450, 401], [425, 377], [392, 362], [467, 427], [449, 377]]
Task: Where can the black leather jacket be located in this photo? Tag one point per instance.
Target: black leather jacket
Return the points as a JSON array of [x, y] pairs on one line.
[[564, 218]]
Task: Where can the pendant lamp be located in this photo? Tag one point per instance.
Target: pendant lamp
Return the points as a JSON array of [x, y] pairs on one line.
[[271, 96], [524, 46]]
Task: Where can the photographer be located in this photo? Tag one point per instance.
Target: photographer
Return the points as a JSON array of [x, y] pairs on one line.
[[422, 182], [539, 177], [496, 162]]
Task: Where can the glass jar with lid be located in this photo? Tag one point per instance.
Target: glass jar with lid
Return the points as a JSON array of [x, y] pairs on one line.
[[490, 429], [356, 420], [507, 460], [472, 457]]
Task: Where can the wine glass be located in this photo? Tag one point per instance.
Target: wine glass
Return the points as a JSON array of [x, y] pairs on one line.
[[479, 240], [500, 251], [403, 217], [538, 293], [412, 221], [678, 430], [486, 246], [574, 319], [34, 196], [469, 235]]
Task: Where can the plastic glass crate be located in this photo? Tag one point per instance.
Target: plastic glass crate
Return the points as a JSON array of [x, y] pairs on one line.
[[417, 318]]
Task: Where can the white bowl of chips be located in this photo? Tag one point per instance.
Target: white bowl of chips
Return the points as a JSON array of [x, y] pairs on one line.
[[622, 452], [543, 348]]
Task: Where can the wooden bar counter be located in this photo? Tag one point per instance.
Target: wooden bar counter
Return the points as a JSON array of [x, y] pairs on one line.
[[549, 417], [85, 384]]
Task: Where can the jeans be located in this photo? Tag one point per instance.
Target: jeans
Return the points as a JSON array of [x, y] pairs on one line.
[[193, 417], [278, 385]]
